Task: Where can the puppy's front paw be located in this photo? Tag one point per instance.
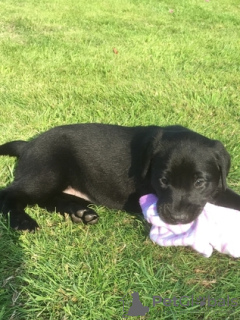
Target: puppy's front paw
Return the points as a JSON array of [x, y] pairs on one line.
[[86, 216]]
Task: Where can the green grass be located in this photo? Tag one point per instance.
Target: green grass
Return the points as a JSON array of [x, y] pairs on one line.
[[57, 67]]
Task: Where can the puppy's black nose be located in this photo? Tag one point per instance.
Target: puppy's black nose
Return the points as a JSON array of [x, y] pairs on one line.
[[182, 218]]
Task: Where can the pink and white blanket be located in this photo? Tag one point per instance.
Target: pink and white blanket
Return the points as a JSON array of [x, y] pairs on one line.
[[216, 227]]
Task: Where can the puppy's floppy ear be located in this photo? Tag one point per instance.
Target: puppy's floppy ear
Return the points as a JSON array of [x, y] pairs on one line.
[[151, 147], [146, 159], [224, 162]]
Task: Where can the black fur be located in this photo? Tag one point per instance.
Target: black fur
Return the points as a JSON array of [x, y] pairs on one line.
[[113, 166]]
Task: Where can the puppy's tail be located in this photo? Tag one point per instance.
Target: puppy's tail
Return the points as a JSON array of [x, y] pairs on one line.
[[13, 148]]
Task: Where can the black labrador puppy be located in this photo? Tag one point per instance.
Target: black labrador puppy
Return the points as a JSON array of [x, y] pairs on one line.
[[69, 167]]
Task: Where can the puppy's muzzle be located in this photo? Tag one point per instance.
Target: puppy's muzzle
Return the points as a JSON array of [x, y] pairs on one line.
[[178, 215]]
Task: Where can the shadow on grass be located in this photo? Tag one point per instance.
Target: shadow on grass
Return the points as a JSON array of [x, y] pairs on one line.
[[11, 264]]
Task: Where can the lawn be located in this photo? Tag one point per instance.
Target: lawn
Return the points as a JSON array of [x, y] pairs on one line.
[[129, 62]]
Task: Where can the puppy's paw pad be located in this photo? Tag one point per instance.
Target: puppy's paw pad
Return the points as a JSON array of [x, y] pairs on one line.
[[90, 218], [76, 219], [86, 216]]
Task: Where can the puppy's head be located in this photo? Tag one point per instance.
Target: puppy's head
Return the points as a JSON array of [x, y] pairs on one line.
[[187, 172]]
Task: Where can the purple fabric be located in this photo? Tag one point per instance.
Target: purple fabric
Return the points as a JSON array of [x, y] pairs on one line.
[[216, 227]]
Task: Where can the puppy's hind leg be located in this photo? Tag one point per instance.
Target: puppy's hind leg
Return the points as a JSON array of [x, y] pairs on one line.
[[25, 190], [77, 208], [12, 205]]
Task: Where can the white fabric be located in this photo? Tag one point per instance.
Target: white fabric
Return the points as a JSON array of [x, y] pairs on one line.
[[216, 227]]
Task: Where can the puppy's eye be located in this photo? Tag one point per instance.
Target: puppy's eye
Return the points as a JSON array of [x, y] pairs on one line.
[[199, 183], [164, 182]]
